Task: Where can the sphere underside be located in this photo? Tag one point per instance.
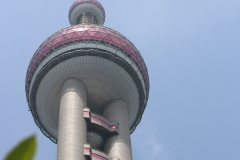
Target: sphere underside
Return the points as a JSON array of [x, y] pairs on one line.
[[105, 81]]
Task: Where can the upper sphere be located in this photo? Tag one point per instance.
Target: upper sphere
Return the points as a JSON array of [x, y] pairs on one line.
[[86, 6]]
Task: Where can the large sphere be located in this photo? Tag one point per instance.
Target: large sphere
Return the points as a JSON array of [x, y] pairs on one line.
[[106, 62]]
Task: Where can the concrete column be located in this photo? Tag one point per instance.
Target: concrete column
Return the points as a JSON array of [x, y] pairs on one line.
[[72, 128], [118, 146]]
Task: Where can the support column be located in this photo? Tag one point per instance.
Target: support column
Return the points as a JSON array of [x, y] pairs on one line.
[[118, 146], [72, 128]]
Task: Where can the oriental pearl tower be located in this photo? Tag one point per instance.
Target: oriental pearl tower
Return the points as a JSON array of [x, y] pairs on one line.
[[87, 87]]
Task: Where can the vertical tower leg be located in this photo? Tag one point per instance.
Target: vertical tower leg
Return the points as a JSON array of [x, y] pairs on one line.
[[72, 129], [118, 146]]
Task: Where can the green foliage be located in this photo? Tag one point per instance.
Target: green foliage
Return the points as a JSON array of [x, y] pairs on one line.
[[25, 150]]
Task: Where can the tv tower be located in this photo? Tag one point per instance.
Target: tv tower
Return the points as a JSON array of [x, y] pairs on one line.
[[87, 87]]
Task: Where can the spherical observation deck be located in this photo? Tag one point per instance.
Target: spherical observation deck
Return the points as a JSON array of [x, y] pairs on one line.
[[107, 63]]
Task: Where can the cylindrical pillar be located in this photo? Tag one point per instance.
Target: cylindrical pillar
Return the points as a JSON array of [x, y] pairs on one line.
[[119, 146], [72, 128]]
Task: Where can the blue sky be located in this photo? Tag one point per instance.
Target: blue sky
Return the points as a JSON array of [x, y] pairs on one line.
[[192, 51]]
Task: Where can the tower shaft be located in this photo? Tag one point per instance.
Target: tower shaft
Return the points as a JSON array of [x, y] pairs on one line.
[[119, 146], [72, 129]]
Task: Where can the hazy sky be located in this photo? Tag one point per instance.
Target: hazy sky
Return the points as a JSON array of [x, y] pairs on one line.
[[191, 49]]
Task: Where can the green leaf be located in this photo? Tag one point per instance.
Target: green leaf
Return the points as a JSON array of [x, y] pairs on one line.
[[25, 150]]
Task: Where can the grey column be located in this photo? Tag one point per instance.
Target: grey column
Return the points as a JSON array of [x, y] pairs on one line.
[[118, 146], [72, 128]]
